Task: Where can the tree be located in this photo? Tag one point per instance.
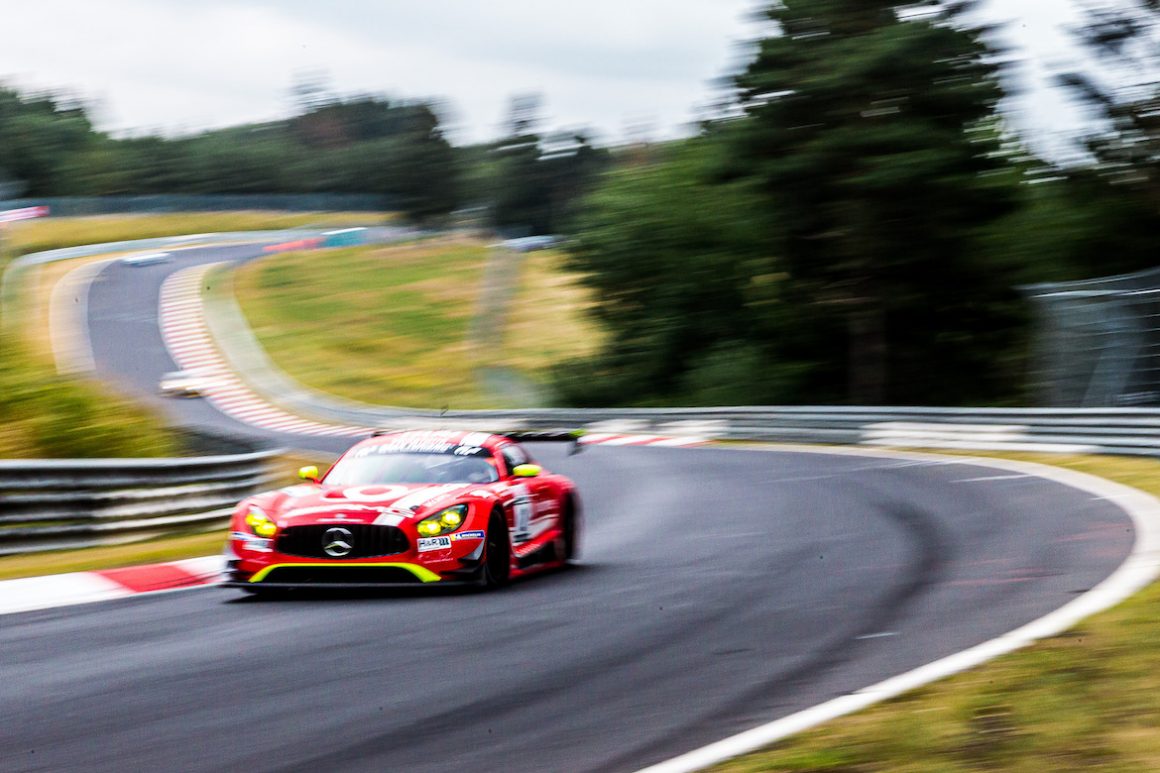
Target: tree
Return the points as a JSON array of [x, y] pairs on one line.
[[1124, 91], [540, 178], [681, 283], [38, 136], [367, 144], [873, 140]]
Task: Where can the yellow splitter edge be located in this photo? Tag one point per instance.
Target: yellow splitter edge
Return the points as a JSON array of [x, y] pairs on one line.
[[422, 573]]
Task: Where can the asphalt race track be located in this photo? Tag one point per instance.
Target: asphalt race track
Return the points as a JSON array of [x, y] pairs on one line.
[[719, 589]]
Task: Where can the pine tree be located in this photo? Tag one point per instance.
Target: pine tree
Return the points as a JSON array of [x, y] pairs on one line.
[[873, 136]]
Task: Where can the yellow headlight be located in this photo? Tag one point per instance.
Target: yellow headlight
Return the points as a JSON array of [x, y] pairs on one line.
[[450, 518], [260, 524], [429, 527]]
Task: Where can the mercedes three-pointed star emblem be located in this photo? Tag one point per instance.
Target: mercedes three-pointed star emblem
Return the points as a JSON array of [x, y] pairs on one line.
[[337, 542]]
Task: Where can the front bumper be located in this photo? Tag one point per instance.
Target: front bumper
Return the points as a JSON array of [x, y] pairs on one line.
[[393, 560], [337, 574]]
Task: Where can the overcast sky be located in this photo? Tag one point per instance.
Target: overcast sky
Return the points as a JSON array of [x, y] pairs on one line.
[[185, 65]]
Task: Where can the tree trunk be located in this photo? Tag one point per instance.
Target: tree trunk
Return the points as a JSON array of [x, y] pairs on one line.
[[867, 366]]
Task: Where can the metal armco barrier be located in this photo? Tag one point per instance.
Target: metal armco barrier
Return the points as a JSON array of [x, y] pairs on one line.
[[54, 504], [1123, 431]]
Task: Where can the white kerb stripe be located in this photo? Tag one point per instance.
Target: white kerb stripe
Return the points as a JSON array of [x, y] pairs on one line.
[[56, 590]]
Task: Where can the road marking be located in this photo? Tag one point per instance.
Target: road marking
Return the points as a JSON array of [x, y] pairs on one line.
[[990, 478], [882, 635], [189, 341], [1140, 568], [68, 314]]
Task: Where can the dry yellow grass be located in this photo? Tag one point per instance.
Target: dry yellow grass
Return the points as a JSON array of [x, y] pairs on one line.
[[390, 325], [548, 322], [37, 326]]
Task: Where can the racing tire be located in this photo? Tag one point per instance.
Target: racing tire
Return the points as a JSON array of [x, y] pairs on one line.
[[497, 554], [265, 594], [569, 529]]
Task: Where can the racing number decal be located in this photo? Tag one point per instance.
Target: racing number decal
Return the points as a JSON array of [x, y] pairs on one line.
[[522, 506]]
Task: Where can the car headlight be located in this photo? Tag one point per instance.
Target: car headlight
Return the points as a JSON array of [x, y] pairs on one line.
[[260, 523], [442, 522]]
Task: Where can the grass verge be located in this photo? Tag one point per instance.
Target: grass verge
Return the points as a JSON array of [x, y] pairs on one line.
[[1087, 699], [390, 325], [549, 321], [43, 415]]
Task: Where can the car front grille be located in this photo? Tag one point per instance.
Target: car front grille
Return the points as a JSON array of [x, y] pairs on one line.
[[366, 540]]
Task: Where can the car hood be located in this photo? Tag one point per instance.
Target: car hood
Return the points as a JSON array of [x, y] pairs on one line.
[[389, 505]]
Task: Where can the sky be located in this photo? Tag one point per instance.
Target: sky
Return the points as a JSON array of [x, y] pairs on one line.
[[178, 66]]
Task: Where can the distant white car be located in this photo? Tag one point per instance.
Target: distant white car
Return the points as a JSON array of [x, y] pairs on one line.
[[531, 243], [185, 383], [146, 258]]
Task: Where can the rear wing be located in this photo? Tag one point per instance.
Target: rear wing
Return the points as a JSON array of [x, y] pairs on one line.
[[547, 436], [531, 436]]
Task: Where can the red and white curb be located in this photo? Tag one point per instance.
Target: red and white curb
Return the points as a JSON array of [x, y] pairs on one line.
[[60, 590], [188, 338], [606, 439], [191, 344]]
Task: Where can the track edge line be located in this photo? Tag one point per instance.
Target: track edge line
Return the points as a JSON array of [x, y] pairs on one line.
[[1139, 569]]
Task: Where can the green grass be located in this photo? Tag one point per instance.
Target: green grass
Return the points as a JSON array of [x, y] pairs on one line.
[[390, 325], [43, 415], [1086, 700]]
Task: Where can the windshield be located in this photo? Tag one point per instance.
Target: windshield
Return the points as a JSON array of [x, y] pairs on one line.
[[406, 467]]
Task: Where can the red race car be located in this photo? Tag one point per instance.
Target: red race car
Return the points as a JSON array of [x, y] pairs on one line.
[[411, 507]]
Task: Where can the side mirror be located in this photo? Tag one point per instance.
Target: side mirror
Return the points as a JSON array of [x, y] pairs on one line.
[[308, 473], [526, 470]]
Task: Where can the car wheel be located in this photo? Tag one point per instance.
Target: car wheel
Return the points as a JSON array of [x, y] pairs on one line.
[[569, 529], [264, 594], [497, 555]]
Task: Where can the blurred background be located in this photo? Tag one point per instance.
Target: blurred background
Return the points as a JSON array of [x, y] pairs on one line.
[[811, 201]]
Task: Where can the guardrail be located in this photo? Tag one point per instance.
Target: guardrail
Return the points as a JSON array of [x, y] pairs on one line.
[[1122, 431], [54, 504], [69, 503]]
